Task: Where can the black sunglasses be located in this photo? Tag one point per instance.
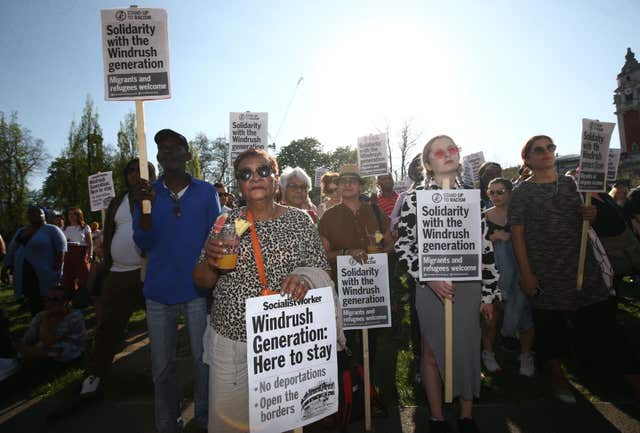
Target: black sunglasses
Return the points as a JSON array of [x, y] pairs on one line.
[[541, 149], [176, 203], [246, 173], [330, 190]]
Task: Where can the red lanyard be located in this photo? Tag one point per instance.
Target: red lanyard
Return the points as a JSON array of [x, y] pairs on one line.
[[258, 253]]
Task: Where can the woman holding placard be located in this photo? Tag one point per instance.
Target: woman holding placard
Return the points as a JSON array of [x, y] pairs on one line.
[[546, 214], [273, 241], [441, 160]]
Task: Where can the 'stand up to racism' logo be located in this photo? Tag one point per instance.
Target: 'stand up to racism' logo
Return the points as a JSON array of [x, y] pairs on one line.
[[121, 15], [436, 197]]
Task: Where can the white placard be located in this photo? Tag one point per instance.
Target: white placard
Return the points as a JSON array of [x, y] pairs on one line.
[[320, 171], [247, 129], [372, 155], [594, 155], [613, 163], [135, 51], [363, 291], [291, 360], [449, 234], [101, 190], [402, 185], [471, 166]]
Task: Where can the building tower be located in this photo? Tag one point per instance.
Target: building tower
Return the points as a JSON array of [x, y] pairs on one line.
[[627, 100]]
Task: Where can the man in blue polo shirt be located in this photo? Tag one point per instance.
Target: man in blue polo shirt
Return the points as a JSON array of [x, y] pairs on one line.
[[183, 211]]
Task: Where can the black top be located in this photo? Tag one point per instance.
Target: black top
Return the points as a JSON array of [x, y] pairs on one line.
[[492, 227], [610, 220]]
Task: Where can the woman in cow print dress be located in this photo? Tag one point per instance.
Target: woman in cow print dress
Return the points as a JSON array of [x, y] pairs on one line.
[[441, 160]]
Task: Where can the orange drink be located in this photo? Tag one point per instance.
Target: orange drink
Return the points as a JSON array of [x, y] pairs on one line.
[[228, 262]]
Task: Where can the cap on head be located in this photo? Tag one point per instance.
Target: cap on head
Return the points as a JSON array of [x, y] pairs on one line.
[[163, 134]]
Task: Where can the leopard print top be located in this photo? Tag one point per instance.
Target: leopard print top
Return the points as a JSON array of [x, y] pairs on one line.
[[287, 242], [407, 248]]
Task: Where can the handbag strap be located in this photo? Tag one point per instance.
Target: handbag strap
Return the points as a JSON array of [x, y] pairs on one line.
[[257, 251]]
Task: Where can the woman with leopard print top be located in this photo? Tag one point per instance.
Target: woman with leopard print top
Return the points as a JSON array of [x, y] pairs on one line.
[[441, 160], [288, 241]]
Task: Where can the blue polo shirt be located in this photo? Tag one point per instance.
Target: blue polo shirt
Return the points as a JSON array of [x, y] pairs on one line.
[[174, 242]]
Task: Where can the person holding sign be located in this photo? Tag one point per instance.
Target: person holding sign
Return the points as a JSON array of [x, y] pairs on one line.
[[183, 211], [441, 160], [275, 243], [546, 214]]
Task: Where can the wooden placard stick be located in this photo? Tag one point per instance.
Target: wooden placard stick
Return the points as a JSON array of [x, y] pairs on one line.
[[367, 380], [583, 246], [448, 338], [142, 151]]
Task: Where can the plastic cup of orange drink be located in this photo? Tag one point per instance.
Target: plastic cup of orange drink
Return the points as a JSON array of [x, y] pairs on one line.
[[374, 247], [230, 242]]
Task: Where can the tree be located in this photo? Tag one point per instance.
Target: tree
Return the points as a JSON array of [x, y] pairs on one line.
[[339, 157], [20, 156], [408, 139], [214, 158], [127, 149], [193, 165], [66, 182], [305, 153]]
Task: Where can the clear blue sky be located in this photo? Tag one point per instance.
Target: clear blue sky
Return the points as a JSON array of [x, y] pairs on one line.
[[488, 73]]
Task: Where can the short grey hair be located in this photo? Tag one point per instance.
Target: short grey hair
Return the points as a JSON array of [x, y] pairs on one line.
[[297, 172]]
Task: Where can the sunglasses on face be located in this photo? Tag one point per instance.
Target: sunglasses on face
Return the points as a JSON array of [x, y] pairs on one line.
[[441, 154], [55, 299], [330, 190], [348, 181], [542, 149], [497, 192], [244, 174]]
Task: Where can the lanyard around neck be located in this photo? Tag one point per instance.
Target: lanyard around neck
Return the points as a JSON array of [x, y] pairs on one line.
[[257, 251]]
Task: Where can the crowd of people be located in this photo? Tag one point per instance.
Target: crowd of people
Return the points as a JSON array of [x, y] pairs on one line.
[[169, 262]]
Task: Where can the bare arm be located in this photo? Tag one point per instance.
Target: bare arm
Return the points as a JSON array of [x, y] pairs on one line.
[[529, 282]]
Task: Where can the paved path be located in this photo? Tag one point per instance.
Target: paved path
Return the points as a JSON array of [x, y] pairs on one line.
[[128, 407]]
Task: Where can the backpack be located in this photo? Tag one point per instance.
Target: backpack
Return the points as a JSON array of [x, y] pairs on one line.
[[351, 393]]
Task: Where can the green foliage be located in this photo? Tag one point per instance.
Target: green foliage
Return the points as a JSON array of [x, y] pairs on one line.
[[66, 182], [341, 156], [214, 158], [20, 156], [193, 165], [305, 153]]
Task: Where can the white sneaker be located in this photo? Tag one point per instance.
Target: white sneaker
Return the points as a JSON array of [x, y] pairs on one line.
[[489, 361], [527, 364], [90, 385], [565, 395]]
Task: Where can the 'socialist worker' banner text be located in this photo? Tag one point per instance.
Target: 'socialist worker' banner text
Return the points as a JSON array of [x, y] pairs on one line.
[[372, 155], [449, 235], [247, 130], [135, 50], [594, 155], [291, 360], [364, 292]]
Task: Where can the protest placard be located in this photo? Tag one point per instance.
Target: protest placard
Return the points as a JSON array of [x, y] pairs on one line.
[[471, 166], [247, 129], [101, 190], [291, 360], [363, 291], [135, 52], [372, 155], [613, 163], [449, 236], [320, 171], [594, 155]]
